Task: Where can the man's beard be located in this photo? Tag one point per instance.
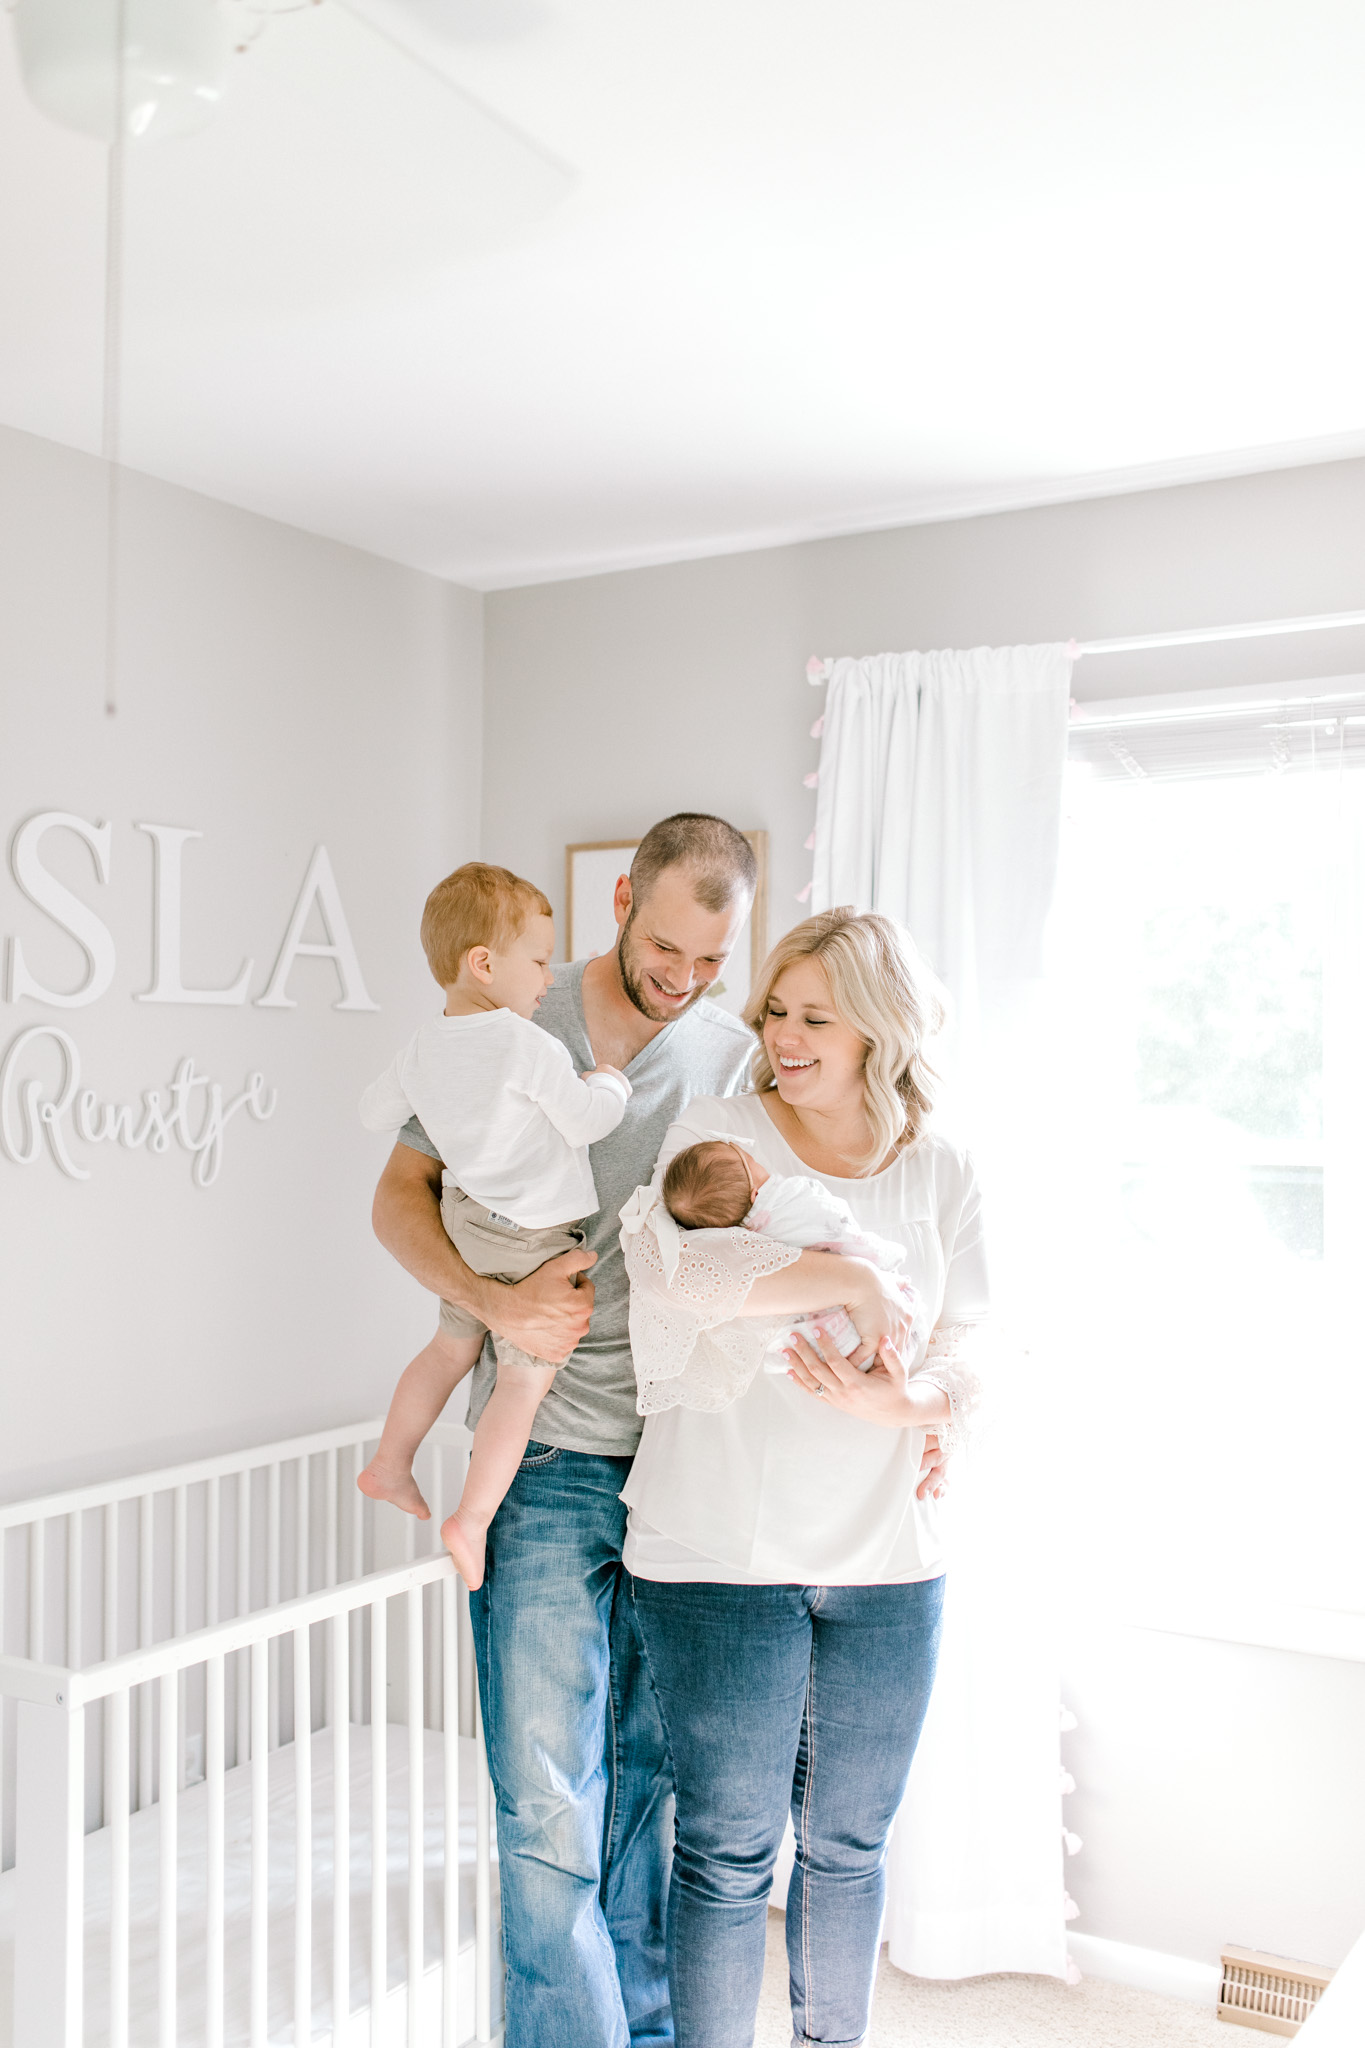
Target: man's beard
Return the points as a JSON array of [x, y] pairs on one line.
[[634, 984]]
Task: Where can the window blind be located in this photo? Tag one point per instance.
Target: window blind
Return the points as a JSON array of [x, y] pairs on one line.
[[1245, 738]]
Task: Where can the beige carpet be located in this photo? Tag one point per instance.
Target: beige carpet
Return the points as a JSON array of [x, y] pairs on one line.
[[1001, 2012]]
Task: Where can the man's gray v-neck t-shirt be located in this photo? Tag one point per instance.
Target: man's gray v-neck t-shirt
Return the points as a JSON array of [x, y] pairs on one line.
[[591, 1406]]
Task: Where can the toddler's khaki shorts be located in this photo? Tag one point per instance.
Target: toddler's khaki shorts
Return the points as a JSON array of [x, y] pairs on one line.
[[497, 1249]]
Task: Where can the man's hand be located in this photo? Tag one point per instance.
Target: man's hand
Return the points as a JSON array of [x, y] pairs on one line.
[[547, 1314]]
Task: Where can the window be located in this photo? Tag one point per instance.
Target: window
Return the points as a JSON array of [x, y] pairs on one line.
[[1205, 1142]]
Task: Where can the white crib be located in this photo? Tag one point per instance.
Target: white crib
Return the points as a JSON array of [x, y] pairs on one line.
[[243, 1796]]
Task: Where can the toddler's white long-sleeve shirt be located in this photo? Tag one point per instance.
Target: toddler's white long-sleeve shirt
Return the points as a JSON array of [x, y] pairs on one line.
[[502, 1104]]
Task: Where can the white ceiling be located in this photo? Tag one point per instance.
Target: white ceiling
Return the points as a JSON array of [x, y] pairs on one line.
[[825, 265]]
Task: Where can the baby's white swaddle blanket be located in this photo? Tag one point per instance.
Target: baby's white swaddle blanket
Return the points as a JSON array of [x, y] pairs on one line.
[[802, 1212], [792, 1210]]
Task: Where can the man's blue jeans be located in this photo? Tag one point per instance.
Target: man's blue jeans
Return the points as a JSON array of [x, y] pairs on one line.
[[775, 1697], [579, 1764]]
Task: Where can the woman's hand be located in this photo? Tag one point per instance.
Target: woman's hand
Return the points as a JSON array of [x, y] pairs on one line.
[[933, 1469], [882, 1311], [882, 1394]]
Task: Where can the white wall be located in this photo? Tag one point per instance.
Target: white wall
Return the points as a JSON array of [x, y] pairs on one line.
[[277, 692], [1221, 1793]]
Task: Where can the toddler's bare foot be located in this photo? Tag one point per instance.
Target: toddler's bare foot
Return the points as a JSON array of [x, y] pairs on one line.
[[382, 1482], [465, 1542]]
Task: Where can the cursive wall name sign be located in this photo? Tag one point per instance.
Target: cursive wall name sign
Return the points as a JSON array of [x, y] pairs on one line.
[[35, 1116]]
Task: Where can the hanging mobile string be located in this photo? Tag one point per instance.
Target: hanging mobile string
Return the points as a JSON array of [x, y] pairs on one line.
[[111, 420]]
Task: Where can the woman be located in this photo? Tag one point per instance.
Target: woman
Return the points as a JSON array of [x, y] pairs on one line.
[[783, 1544]]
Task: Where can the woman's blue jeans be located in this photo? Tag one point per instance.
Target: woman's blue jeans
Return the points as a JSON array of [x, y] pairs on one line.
[[776, 1697]]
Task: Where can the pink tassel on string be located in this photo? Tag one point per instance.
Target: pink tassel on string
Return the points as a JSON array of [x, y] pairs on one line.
[[1073, 1972], [810, 844], [1066, 1783], [812, 779], [1071, 1843], [1070, 1910], [1067, 1719], [818, 727], [817, 671], [803, 895]]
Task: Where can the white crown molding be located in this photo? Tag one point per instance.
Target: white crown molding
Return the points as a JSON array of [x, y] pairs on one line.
[[930, 508]]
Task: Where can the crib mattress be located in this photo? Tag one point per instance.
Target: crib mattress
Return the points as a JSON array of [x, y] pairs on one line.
[[144, 1852]]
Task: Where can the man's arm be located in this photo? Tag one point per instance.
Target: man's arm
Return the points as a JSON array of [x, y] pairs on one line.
[[546, 1314]]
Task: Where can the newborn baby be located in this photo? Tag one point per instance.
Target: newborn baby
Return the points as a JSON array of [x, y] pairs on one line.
[[718, 1185]]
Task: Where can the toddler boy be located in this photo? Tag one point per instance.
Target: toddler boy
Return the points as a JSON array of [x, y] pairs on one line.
[[512, 1121]]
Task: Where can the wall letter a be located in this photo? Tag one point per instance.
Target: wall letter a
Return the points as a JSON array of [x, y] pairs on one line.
[[320, 887]]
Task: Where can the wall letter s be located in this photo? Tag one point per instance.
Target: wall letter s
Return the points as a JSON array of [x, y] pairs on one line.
[[75, 917]]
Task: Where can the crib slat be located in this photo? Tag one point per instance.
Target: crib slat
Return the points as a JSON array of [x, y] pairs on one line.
[[330, 1552], [272, 1591], [146, 1559], [302, 1511], [357, 1500], [110, 1644], [75, 1590], [180, 1548], [4, 1533], [213, 1560], [217, 1849], [49, 1907], [37, 1588], [450, 1748], [303, 1841], [170, 1848], [379, 1819], [357, 1514], [118, 1870], [260, 1837], [241, 1744], [483, 1900], [416, 1817], [339, 1646]]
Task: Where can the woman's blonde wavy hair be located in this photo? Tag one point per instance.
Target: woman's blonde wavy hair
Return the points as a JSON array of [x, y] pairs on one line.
[[882, 989]]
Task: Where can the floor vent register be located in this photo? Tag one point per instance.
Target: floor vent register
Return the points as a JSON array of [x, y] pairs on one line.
[[1269, 1992]]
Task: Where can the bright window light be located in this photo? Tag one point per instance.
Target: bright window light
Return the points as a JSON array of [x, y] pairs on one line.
[[1204, 1139]]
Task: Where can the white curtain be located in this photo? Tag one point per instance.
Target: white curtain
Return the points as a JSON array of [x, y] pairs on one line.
[[939, 803]]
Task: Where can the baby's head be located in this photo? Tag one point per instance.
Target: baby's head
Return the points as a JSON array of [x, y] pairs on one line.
[[488, 933], [711, 1186]]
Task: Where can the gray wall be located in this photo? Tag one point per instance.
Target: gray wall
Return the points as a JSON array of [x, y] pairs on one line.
[[277, 691], [614, 699], [1220, 1789]]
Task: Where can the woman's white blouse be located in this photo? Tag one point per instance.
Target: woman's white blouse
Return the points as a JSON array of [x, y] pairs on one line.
[[779, 1488]]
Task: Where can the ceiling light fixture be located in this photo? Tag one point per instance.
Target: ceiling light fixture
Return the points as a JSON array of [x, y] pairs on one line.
[[174, 62]]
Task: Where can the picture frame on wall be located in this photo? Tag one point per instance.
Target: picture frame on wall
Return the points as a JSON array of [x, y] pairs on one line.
[[591, 868]]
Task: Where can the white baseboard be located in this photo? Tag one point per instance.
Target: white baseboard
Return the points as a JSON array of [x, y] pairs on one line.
[[1146, 1969]]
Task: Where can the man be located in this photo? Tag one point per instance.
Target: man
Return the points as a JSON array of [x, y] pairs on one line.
[[575, 1746]]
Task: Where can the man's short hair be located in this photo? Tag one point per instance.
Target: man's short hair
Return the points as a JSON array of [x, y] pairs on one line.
[[477, 905], [719, 861]]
